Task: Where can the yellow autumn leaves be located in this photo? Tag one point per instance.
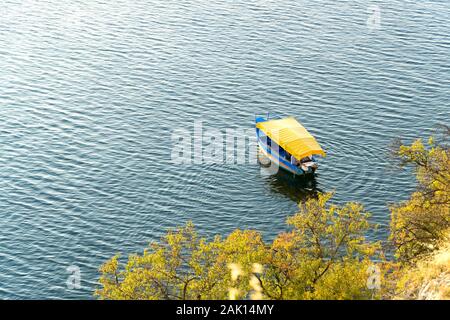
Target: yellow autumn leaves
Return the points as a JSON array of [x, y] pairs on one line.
[[419, 224], [324, 256]]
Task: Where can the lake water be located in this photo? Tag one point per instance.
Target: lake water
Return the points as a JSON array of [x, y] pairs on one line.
[[90, 92]]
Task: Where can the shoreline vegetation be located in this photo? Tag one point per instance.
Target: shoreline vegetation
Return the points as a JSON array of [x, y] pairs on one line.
[[324, 254]]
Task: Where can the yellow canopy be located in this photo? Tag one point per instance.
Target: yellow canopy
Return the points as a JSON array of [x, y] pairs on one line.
[[291, 136]]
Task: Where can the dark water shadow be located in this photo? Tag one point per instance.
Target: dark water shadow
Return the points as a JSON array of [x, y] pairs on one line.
[[295, 188]]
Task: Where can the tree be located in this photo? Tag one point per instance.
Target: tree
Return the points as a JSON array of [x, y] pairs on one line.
[[178, 267], [325, 256], [419, 224], [315, 260]]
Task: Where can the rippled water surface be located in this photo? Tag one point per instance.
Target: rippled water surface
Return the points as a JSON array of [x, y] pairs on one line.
[[90, 91]]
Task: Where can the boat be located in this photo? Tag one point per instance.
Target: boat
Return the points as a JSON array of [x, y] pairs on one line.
[[286, 143]]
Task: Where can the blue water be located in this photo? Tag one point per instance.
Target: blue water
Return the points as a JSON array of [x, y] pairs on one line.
[[90, 91]]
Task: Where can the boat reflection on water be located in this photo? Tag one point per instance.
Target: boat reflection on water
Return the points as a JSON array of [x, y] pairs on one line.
[[295, 188]]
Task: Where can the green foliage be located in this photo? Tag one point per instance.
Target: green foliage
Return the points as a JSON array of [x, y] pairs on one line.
[[324, 256], [325, 249], [419, 224]]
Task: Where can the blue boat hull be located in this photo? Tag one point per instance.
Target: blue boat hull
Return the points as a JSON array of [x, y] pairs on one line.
[[278, 159]]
